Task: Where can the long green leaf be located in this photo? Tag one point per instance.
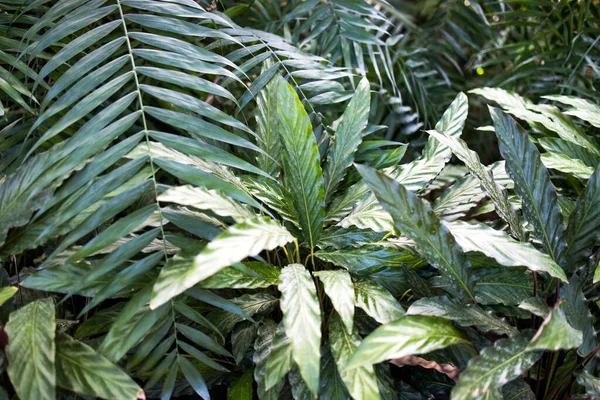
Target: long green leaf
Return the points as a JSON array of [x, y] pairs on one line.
[[302, 321], [340, 289], [242, 240], [303, 174], [532, 184], [348, 137], [361, 381], [406, 336], [81, 369], [415, 219], [30, 350], [376, 301], [501, 247]]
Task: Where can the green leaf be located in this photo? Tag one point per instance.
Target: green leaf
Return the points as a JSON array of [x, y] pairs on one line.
[[578, 314], [206, 199], [302, 321], [376, 301], [415, 219], [471, 315], [590, 382], [494, 367], [406, 336], [555, 333], [435, 155], [249, 275], [332, 386], [566, 164], [6, 293], [348, 137], [502, 248], [280, 359], [582, 228], [239, 241], [267, 127], [485, 177], [81, 369], [301, 166], [361, 381], [340, 289], [30, 350], [507, 286], [532, 184], [241, 388], [262, 350]]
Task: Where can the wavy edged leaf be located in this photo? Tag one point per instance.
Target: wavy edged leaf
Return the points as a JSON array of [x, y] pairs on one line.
[[302, 321], [340, 289], [361, 381], [301, 166], [348, 137], [239, 241], [31, 350], [502, 248], [376, 301], [81, 369], [532, 184], [406, 336], [415, 219], [494, 367]]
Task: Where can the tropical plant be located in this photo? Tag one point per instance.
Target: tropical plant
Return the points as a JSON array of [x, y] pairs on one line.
[[199, 199]]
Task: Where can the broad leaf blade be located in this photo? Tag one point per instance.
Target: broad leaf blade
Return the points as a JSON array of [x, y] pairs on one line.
[[303, 174], [340, 289], [406, 336], [242, 240], [30, 351], [347, 138], [532, 184], [302, 321], [82, 370]]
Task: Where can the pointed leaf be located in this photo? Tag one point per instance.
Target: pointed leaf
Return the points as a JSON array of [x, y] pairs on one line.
[[376, 301], [415, 219], [340, 289], [30, 350], [303, 174], [302, 321], [233, 245], [406, 336]]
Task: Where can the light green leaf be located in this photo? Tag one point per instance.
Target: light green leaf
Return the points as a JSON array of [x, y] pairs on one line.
[[241, 388], [590, 382], [494, 367], [30, 350], [233, 245], [376, 301], [583, 109], [302, 321], [501, 247], [250, 275], [303, 174], [566, 164], [340, 289], [348, 137], [331, 387], [532, 184], [555, 333], [471, 315], [406, 336], [207, 199], [361, 381], [81, 369], [6, 293], [415, 219]]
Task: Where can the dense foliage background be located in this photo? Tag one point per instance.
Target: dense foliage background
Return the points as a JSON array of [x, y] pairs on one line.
[[299, 199]]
